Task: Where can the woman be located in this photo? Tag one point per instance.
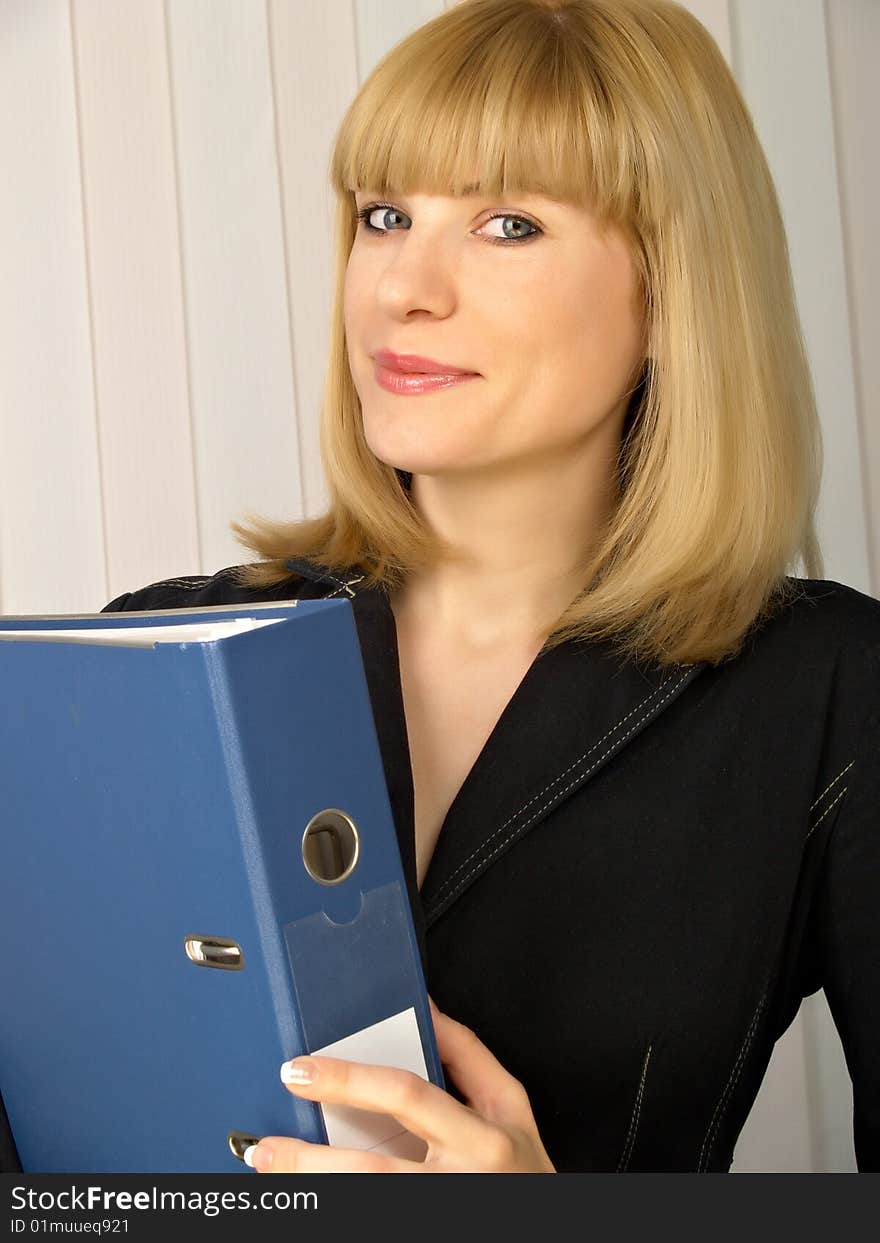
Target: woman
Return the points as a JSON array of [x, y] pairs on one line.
[[632, 760]]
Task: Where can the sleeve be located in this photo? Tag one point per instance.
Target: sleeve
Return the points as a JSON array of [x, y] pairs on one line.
[[117, 605], [9, 1159], [848, 938]]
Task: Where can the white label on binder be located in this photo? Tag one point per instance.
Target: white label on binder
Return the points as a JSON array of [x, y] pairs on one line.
[[394, 1041]]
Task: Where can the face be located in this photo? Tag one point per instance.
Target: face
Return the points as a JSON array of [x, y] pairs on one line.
[[529, 294]]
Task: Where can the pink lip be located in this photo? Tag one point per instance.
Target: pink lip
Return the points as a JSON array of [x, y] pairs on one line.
[[408, 363], [414, 384]]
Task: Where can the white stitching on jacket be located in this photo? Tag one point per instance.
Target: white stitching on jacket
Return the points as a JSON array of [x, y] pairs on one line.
[[634, 1121], [484, 844], [728, 1088], [826, 811], [831, 783], [347, 586], [201, 579]]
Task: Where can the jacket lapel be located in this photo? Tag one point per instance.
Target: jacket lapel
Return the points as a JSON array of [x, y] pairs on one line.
[[576, 707]]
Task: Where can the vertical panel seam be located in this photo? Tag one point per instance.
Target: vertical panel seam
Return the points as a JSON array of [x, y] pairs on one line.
[[735, 44], [634, 1120], [846, 246], [90, 310], [354, 32], [285, 254], [724, 1100], [187, 355]]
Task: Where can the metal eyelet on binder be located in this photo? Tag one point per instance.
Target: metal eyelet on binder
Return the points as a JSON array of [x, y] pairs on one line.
[[214, 952], [330, 846], [240, 1141]]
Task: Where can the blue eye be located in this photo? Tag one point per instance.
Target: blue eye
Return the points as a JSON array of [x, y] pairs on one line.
[[364, 213]]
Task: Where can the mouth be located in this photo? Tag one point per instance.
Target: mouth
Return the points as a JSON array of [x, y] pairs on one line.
[[417, 364], [414, 383]]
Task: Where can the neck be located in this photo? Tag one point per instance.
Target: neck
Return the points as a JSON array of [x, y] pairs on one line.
[[524, 542]]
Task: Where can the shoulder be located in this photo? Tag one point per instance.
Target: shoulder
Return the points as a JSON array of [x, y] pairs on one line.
[[826, 631], [822, 624], [192, 591], [833, 604], [807, 677], [842, 634], [821, 654]]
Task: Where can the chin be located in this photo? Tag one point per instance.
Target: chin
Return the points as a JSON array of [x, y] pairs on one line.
[[411, 462]]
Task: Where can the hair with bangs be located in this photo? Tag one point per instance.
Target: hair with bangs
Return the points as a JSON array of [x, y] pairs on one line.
[[626, 107]]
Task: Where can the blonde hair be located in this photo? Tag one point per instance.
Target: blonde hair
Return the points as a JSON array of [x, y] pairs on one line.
[[628, 107]]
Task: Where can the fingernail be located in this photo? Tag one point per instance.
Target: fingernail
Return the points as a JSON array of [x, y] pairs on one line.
[[258, 1157], [240, 1141], [300, 1070]]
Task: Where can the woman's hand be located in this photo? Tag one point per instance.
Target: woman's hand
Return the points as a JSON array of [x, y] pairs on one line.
[[494, 1133]]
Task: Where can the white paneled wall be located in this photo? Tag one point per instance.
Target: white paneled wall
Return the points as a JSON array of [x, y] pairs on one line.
[[134, 286], [314, 51], [241, 396], [786, 82], [53, 532], [853, 35], [165, 284]]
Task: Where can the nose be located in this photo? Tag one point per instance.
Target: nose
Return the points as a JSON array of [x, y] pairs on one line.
[[417, 277]]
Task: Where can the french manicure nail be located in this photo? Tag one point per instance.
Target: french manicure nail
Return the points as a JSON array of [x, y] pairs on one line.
[[240, 1141], [299, 1071], [259, 1158]]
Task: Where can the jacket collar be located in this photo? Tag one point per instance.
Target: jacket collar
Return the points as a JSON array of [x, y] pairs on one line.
[[575, 709], [338, 584]]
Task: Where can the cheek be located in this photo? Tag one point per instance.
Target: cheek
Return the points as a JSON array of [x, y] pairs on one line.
[[585, 349], [358, 286], [593, 333], [356, 314], [349, 297], [573, 370]]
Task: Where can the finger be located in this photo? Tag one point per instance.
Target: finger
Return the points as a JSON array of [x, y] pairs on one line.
[[279, 1154], [423, 1108], [488, 1088]]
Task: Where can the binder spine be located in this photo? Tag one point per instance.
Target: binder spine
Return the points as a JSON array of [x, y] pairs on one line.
[[284, 1002]]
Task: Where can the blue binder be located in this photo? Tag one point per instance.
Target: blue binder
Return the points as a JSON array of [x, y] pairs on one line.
[[200, 878]]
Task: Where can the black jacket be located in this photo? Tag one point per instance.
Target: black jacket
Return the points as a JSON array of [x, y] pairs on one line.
[[646, 870]]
